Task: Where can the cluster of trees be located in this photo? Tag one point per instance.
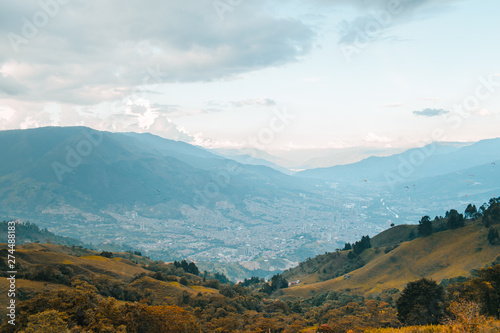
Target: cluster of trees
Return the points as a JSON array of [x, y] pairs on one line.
[[187, 267], [254, 280], [490, 214], [359, 246], [277, 282], [82, 309], [106, 254]]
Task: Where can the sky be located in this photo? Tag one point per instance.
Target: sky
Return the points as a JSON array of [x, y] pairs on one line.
[[268, 74]]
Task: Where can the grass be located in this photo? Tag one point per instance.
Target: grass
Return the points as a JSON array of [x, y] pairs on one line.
[[442, 255], [32, 254], [94, 258], [205, 289]]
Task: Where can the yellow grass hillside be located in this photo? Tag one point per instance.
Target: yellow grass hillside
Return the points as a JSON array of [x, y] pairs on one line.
[[439, 256], [49, 267]]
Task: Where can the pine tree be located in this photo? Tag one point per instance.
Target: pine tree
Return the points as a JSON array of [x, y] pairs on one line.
[[425, 226]]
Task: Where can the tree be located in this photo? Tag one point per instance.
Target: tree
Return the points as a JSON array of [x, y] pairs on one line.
[[193, 269], [183, 281], [470, 211], [491, 215], [278, 282], [106, 254], [221, 277], [493, 235], [483, 289], [425, 226], [455, 220], [361, 245], [347, 247], [47, 321], [421, 303]]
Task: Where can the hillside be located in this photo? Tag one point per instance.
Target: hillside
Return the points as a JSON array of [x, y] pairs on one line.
[[442, 255], [80, 289], [31, 233], [50, 267]]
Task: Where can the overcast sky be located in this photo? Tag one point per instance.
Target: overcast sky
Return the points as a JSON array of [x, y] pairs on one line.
[[273, 73]]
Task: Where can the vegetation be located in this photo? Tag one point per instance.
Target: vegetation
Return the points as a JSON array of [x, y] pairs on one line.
[[425, 226], [421, 303], [71, 289]]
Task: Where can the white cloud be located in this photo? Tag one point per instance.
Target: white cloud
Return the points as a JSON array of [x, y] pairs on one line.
[[377, 17], [483, 113], [372, 137], [254, 101], [82, 61]]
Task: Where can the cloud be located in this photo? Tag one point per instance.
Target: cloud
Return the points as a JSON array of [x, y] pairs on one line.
[[378, 16], [219, 106], [254, 101], [10, 86], [127, 44], [483, 113], [372, 137], [430, 112]]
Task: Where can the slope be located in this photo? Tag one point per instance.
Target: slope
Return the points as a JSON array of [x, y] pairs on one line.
[[442, 255]]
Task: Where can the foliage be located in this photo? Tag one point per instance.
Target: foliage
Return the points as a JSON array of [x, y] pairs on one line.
[[471, 212], [493, 236], [425, 226], [483, 289], [106, 254], [455, 220], [491, 214], [361, 245], [187, 267], [421, 303]]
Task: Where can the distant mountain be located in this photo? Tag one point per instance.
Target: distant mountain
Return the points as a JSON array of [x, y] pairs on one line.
[[435, 159], [254, 157], [91, 170], [300, 159]]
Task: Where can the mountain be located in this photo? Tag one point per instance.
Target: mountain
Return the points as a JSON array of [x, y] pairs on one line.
[[167, 198], [434, 159], [92, 170], [300, 159], [173, 200], [249, 156]]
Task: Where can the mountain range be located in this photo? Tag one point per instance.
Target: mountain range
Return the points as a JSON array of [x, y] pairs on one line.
[[174, 200]]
